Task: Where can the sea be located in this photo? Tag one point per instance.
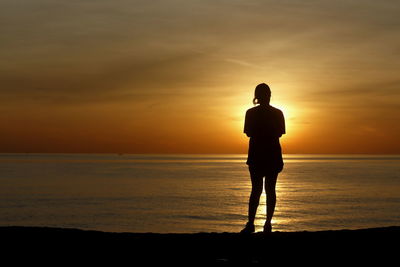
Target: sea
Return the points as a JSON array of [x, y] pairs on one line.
[[195, 193]]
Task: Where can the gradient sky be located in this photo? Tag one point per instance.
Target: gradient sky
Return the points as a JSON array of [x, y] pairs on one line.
[[177, 76]]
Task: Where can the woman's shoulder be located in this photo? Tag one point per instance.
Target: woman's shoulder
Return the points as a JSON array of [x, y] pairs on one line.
[[253, 109], [276, 110], [263, 109]]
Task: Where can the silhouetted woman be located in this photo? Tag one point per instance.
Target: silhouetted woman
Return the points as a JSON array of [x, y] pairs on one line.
[[264, 125]]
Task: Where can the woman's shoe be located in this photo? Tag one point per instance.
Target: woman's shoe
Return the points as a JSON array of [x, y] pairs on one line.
[[267, 228], [248, 229]]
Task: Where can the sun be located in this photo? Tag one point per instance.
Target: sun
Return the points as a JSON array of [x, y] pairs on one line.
[[293, 114]]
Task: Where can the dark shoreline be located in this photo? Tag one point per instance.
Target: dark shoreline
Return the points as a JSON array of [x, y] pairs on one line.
[[43, 245]]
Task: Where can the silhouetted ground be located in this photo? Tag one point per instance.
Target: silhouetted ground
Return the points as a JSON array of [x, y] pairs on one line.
[[55, 246]]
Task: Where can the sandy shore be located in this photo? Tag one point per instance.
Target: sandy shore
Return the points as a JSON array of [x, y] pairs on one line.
[[54, 246]]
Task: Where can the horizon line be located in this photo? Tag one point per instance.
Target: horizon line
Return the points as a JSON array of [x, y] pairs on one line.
[[178, 153]]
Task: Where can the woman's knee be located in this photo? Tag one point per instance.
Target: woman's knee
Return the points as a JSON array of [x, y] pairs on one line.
[[270, 190], [256, 191]]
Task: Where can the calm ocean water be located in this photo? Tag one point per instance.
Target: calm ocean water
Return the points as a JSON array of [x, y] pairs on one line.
[[195, 193]]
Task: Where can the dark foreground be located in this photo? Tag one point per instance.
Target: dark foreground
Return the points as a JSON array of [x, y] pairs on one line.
[[55, 246]]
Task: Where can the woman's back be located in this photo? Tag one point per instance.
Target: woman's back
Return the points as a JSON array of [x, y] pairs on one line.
[[264, 122], [264, 125]]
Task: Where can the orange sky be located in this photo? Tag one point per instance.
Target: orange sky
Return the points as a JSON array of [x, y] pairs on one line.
[[177, 76]]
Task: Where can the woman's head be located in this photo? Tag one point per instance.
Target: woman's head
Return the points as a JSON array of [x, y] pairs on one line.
[[262, 94]]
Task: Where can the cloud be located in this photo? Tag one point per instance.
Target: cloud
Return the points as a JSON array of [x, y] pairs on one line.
[[388, 90], [121, 80]]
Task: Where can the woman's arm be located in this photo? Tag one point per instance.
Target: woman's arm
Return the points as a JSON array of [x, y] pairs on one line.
[[281, 124], [247, 125]]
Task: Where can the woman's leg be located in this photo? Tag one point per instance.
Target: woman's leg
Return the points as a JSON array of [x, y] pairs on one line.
[[256, 191], [270, 184]]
